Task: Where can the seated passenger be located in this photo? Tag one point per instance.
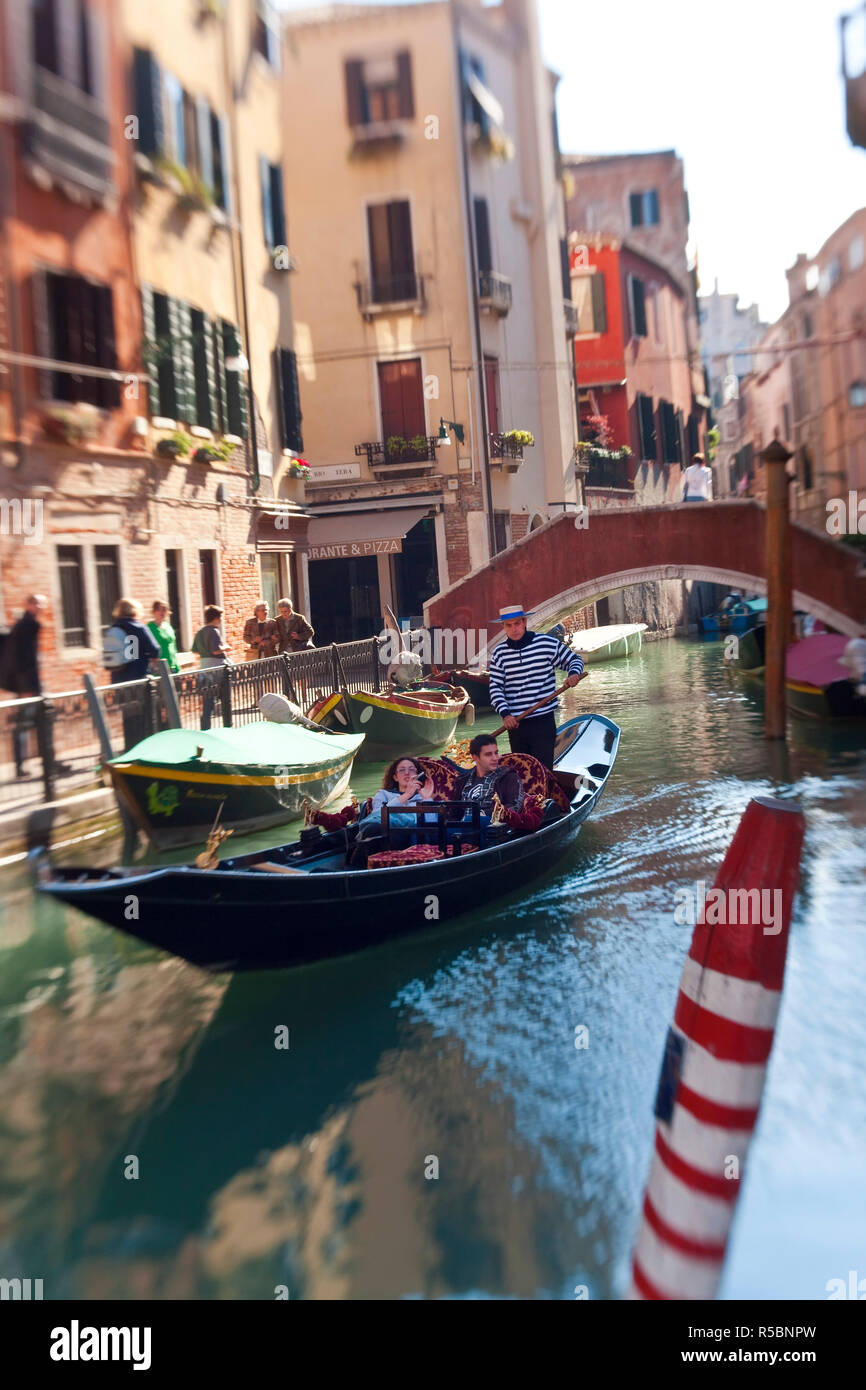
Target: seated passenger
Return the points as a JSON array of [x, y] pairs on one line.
[[487, 778], [405, 783]]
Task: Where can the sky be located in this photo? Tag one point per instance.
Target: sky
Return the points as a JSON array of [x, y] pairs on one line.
[[748, 92]]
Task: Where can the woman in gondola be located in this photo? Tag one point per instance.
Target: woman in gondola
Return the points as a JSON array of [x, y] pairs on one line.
[[405, 783]]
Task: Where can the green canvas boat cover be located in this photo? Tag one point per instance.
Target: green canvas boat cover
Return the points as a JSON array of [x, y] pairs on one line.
[[262, 744]]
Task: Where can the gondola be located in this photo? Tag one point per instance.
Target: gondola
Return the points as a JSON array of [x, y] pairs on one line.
[[736, 614], [304, 902], [818, 683], [420, 718]]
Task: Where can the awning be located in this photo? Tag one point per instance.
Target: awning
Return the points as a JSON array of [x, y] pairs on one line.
[[281, 530], [350, 534], [485, 98]]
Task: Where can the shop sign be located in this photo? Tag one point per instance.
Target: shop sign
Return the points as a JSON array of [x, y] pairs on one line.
[[348, 550]]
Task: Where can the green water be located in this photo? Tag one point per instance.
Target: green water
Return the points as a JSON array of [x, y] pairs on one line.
[[305, 1167]]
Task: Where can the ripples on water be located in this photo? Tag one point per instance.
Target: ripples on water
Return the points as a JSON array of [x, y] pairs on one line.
[[305, 1167]]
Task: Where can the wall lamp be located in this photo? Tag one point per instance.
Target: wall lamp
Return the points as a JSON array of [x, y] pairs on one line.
[[444, 427]]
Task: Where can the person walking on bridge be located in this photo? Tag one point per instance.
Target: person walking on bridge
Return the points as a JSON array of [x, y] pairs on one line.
[[522, 672], [698, 481]]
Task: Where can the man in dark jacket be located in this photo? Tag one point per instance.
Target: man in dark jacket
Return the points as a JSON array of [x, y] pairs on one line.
[[294, 631], [21, 672], [487, 778]]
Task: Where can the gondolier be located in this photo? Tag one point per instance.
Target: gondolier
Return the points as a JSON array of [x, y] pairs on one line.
[[521, 674]]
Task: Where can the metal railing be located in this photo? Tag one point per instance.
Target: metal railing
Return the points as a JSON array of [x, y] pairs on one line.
[[606, 471], [49, 746], [379, 292], [503, 447], [380, 452]]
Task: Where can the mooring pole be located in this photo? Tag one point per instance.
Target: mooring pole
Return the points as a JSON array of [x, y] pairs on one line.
[[778, 558]]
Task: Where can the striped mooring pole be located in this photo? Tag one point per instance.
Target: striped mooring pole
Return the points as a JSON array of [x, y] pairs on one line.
[[716, 1056]]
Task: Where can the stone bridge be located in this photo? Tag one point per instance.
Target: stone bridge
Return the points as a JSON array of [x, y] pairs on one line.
[[562, 567]]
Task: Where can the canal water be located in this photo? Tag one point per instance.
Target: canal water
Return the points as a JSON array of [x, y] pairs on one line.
[[155, 1143]]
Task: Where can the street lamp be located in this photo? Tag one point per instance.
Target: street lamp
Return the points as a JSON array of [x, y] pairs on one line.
[[444, 427]]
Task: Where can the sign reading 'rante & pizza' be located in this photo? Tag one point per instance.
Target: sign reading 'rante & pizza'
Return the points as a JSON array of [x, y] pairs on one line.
[[348, 550]]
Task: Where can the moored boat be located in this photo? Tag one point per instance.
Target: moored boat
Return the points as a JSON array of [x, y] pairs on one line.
[[735, 614], [818, 683], [597, 644], [417, 719], [305, 901], [175, 783]]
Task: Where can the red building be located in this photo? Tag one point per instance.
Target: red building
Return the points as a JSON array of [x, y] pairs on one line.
[[633, 367]]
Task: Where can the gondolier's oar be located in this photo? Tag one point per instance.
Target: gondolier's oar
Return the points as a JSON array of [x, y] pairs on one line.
[[532, 708]]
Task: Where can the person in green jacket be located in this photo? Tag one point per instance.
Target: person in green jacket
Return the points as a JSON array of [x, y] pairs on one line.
[[164, 634]]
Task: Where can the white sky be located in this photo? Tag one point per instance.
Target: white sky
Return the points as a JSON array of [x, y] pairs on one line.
[[748, 92]]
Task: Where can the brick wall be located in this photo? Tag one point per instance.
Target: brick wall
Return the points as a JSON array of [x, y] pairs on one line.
[[469, 498]]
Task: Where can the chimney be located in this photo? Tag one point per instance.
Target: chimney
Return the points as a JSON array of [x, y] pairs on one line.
[[797, 278]]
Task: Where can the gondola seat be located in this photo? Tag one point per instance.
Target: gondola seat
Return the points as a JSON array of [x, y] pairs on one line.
[[536, 779]]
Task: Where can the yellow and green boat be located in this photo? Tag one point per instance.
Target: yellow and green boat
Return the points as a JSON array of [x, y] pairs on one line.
[[405, 721], [175, 783]]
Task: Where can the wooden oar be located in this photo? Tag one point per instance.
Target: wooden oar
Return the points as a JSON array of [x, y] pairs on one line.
[[532, 708]]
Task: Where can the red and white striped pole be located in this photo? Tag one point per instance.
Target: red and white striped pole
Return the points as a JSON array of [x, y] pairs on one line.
[[716, 1057]]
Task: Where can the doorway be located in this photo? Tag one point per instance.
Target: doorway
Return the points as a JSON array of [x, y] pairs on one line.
[[344, 599]]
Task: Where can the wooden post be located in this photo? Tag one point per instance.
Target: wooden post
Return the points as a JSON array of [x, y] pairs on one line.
[[169, 696], [778, 562]]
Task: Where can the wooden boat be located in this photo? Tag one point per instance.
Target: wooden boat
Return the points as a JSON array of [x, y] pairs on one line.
[[175, 782], [475, 683], [817, 681], [736, 614], [303, 901], [403, 721], [607, 643]]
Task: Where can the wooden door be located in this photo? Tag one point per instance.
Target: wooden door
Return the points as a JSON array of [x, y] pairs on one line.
[[401, 394]]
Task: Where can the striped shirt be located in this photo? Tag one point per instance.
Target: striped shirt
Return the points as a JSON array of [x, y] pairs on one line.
[[521, 673]]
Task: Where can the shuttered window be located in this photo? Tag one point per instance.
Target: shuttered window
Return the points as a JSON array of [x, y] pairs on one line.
[[401, 396], [46, 49], [670, 440], [70, 564], [482, 236], [644, 208], [565, 267], [391, 254], [236, 419], [637, 306], [147, 83], [286, 369], [266, 37], [646, 427], [204, 370], [379, 89], [80, 322], [273, 209], [599, 302], [107, 558]]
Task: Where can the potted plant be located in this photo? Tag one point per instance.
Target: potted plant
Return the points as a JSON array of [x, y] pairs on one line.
[[524, 438], [396, 445], [418, 445], [213, 452], [294, 480], [174, 446], [76, 423]]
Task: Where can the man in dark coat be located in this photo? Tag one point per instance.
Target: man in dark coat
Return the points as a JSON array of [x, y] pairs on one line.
[[294, 630], [21, 672]]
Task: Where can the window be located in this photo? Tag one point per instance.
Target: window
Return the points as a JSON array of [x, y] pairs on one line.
[[107, 559], [856, 253], [482, 236], [588, 293], [475, 111], [379, 89], [401, 399], [45, 45], [806, 468], [786, 419], [73, 612], [637, 306], [180, 127], [185, 356], [286, 366], [658, 328], [501, 530], [807, 326], [79, 328], [172, 593], [235, 415], [207, 576], [273, 210], [266, 35], [670, 437], [644, 208], [857, 394], [206, 390], [86, 70], [829, 276], [392, 262], [492, 393], [646, 427]]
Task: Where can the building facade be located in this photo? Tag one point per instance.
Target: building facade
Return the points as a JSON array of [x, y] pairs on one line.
[[430, 315], [136, 258], [632, 358]]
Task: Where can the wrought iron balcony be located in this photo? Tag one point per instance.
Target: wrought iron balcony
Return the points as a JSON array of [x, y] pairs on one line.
[[387, 453], [67, 134], [572, 318], [494, 292], [383, 294], [507, 452]]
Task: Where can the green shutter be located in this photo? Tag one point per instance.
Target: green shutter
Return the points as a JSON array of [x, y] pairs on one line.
[[235, 386], [286, 364], [150, 349], [211, 368], [180, 328], [219, 357]]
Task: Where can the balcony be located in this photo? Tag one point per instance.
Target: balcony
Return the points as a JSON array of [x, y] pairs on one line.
[[398, 456], [494, 293], [606, 468], [572, 318], [506, 450], [67, 136], [391, 294], [375, 135]]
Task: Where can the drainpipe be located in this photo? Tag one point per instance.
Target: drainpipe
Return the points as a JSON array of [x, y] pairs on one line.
[[238, 248], [476, 317]]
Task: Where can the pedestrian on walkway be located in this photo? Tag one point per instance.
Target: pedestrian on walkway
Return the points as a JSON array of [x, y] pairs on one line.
[[260, 633], [698, 481], [210, 647], [293, 630], [164, 634], [128, 647], [20, 673], [522, 672]]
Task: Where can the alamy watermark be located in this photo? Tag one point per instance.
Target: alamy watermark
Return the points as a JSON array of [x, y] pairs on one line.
[[846, 516], [729, 907], [22, 516], [442, 647]]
